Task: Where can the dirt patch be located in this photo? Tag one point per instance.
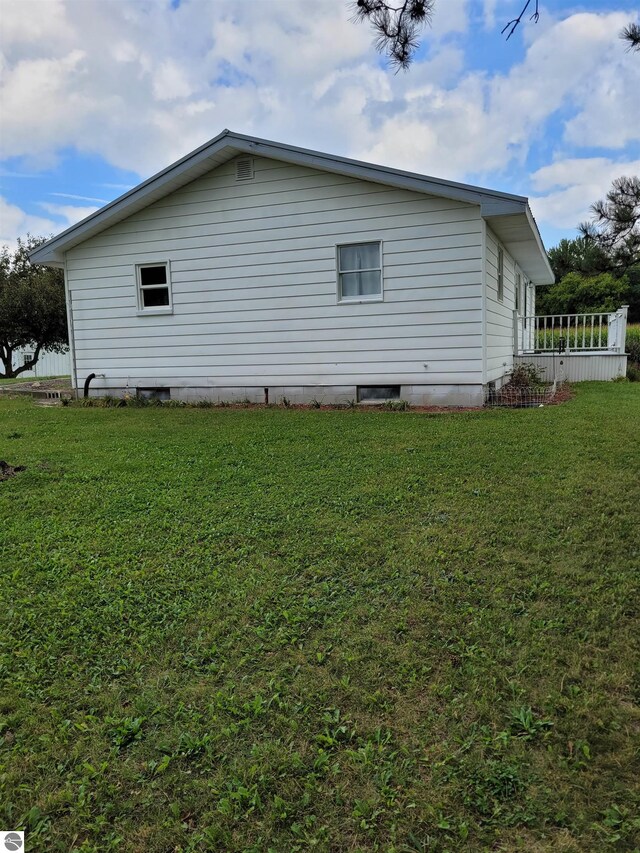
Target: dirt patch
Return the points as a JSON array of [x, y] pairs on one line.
[[7, 470], [563, 394], [38, 385]]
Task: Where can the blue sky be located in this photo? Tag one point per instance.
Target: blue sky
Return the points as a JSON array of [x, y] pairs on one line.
[[98, 95]]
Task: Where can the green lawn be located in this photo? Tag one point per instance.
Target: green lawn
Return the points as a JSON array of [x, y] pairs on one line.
[[23, 378], [292, 630]]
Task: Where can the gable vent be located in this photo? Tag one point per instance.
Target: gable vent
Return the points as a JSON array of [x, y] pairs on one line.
[[244, 169]]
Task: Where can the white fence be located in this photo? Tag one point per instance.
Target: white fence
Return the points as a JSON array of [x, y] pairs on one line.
[[571, 333]]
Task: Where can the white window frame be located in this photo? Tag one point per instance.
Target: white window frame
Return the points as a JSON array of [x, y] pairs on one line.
[[500, 274], [355, 300], [157, 309]]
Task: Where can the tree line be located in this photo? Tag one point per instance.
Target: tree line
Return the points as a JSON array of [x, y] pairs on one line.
[[599, 270]]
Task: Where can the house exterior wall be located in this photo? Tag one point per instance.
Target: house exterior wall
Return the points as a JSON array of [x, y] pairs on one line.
[[48, 364], [254, 285], [499, 313]]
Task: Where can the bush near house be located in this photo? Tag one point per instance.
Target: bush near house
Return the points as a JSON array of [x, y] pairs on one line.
[[278, 629]]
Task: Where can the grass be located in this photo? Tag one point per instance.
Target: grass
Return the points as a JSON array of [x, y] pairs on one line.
[[292, 630], [23, 378]]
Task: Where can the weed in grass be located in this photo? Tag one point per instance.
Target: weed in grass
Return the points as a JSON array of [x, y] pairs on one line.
[[524, 724], [396, 405], [619, 828], [125, 731]]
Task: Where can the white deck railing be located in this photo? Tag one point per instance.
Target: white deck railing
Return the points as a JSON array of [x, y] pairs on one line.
[[566, 333]]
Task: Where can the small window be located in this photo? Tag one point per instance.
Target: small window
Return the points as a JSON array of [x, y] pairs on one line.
[[359, 272], [518, 289], [367, 393], [27, 358], [154, 287], [500, 274]]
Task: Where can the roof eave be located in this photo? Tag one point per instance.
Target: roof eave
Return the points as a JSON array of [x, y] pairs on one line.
[[518, 232], [206, 157]]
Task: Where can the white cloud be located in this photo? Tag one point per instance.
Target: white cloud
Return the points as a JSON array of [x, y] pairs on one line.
[[570, 186], [68, 214], [485, 123], [80, 197], [171, 82], [30, 21], [610, 112], [14, 223], [450, 17], [141, 84], [42, 105], [489, 10]]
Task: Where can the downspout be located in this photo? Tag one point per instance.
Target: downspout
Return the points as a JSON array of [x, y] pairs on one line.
[[87, 382], [72, 346], [483, 311]]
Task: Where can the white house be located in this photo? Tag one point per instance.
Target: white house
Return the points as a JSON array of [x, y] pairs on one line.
[[256, 270], [48, 364]]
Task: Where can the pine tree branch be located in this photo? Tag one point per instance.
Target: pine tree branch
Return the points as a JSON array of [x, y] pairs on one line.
[[515, 22], [631, 34]]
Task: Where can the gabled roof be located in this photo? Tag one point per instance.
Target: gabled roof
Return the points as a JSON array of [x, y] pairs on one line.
[[508, 215]]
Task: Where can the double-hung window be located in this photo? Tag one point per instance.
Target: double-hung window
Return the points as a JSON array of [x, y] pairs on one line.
[[360, 272], [154, 288]]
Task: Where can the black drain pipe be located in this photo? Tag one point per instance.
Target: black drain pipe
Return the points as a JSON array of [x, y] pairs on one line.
[[87, 382]]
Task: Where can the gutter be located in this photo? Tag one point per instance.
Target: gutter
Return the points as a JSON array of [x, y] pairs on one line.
[[72, 344]]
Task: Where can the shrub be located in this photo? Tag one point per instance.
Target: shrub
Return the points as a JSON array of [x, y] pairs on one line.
[[526, 375], [633, 373]]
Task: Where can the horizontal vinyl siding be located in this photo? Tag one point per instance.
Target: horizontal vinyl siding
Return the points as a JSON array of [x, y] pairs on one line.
[[499, 313], [253, 271]]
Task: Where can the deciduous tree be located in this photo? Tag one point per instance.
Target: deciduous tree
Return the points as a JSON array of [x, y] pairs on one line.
[[32, 307]]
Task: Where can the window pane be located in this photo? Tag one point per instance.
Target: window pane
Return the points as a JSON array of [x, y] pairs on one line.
[[355, 284], [362, 257], [153, 275], [349, 284], [369, 283], [154, 297]]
